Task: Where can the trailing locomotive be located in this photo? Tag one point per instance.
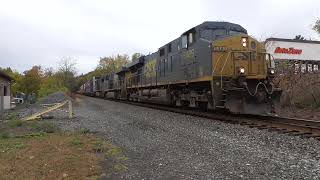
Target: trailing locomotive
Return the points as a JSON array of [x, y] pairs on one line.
[[215, 65]]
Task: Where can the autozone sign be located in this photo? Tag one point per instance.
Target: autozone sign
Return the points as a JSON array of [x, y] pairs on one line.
[[291, 50]]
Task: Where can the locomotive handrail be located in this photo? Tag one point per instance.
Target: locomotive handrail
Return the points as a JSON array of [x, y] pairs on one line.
[[214, 68], [223, 68]]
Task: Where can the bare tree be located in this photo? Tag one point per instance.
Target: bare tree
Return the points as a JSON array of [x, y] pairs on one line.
[[48, 72], [67, 65], [299, 37], [67, 72], [316, 26]]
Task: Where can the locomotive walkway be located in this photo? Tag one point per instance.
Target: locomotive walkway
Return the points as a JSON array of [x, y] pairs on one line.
[[166, 145]]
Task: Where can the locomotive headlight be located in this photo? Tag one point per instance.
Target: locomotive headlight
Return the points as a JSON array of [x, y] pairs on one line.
[[272, 71], [244, 41], [241, 70]]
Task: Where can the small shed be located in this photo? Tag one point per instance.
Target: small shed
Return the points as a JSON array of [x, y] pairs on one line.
[[5, 93]]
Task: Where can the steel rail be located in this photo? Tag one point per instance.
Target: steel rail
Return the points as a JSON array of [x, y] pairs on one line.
[[293, 126]]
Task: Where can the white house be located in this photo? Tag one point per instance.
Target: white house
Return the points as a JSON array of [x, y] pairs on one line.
[[5, 94]]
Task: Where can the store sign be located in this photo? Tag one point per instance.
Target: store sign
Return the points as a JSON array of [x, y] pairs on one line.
[[287, 50]]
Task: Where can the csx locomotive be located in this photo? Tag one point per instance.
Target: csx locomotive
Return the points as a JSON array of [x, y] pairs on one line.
[[215, 65]]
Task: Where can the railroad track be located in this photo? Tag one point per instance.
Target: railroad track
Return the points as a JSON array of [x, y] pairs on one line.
[[296, 127]]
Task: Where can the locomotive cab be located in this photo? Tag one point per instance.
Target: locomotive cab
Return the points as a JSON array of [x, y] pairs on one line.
[[243, 72]]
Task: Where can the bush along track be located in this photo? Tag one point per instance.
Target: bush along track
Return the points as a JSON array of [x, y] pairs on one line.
[[39, 150]]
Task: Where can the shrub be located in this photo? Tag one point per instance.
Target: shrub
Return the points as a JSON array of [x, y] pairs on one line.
[[300, 90], [84, 131]]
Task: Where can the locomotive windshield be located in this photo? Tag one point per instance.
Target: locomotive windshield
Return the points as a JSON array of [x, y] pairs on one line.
[[211, 34], [270, 61], [232, 32]]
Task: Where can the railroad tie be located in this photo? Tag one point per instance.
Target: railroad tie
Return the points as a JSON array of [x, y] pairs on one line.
[[285, 131], [299, 133]]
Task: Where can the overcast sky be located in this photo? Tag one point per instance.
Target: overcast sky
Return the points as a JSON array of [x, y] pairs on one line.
[[41, 32]]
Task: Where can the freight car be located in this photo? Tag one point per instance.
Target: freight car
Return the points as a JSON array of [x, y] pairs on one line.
[[215, 65]]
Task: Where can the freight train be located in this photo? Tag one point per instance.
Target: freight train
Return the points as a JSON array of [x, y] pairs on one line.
[[215, 65]]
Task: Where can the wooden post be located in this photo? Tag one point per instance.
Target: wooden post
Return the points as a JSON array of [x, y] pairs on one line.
[[70, 109]]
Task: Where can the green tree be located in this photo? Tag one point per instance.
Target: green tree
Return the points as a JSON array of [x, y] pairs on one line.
[[17, 79], [136, 56], [31, 81], [111, 64], [316, 26], [51, 84]]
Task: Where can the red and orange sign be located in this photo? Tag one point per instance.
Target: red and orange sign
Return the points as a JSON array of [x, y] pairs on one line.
[[287, 50]]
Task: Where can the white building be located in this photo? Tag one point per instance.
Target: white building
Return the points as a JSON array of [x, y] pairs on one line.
[[5, 95], [302, 55]]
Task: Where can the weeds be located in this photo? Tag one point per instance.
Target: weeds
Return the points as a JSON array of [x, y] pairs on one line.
[[12, 116], [47, 127], [114, 151], [76, 141], [84, 131], [7, 145], [4, 135], [15, 123], [35, 134], [120, 167], [101, 146]]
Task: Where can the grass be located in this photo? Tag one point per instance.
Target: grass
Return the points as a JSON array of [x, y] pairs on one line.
[[84, 131], [48, 157], [15, 123], [43, 126], [4, 135], [39, 150], [7, 146], [113, 154], [76, 141], [12, 116]]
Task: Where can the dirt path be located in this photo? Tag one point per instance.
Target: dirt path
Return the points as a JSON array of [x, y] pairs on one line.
[[164, 145]]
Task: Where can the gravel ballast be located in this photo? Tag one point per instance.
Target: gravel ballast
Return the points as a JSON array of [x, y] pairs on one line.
[[165, 145], [26, 109], [56, 97]]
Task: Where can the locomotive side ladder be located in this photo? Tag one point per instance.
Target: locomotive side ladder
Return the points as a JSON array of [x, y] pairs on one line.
[[223, 83]]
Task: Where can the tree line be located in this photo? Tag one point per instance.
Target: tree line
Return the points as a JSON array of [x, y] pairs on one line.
[[43, 81], [108, 65]]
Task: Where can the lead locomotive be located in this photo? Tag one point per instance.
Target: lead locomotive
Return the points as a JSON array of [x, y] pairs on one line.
[[214, 65]]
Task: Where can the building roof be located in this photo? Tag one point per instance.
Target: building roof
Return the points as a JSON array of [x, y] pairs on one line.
[[292, 40], [5, 76]]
